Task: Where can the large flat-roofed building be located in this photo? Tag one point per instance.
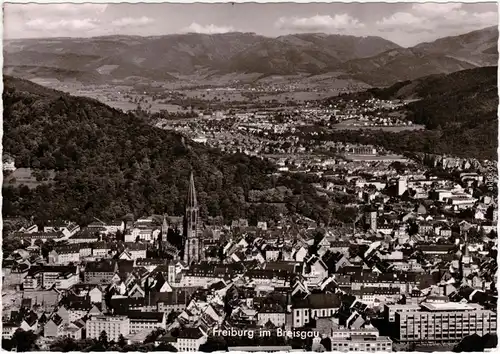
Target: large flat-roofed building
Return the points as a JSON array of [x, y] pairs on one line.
[[362, 343], [390, 310], [264, 349], [443, 322], [343, 333]]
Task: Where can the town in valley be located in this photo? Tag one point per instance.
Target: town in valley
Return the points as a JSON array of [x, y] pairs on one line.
[[319, 212]]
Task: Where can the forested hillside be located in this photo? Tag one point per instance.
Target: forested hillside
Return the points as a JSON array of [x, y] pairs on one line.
[[459, 110], [108, 164]]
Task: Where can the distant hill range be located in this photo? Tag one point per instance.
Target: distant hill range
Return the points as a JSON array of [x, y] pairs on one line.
[[372, 60]]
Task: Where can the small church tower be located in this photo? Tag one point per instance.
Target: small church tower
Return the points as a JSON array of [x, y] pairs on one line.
[[191, 226], [466, 261], [164, 227], [171, 273]]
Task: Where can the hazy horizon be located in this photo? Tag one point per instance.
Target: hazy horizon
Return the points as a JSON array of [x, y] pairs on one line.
[[405, 24], [216, 34]]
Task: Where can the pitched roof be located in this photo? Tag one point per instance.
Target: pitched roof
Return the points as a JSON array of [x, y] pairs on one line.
[[146, 316], [105, 266], [190, 333], [31, 318], [318, 301]]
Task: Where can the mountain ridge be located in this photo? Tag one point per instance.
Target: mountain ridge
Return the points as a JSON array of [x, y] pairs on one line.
[[369, 59]]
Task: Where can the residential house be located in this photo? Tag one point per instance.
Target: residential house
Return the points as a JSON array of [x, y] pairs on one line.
[[315, 270], [101, 250], [299, 253], [46, 299], [340, 246], [84, 236], [68, 229], [66, 280], [100, 272], [30, 322], [8, 329], [65, 255], [53, 327], [172, 301], [136, 250], [74, 330], [88, 290], [271, 312]]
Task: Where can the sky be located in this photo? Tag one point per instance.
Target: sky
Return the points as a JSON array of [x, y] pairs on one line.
[[406, 24]]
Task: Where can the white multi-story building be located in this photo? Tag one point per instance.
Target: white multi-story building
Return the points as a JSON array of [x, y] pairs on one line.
[[140, 321], [361, 343], [445, 322], [190, 339], [113, 325], [67, 280]]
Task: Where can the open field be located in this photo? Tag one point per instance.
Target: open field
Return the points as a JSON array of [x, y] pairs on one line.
[[25, 176], [126, 105], [297, 96], [214, 94]]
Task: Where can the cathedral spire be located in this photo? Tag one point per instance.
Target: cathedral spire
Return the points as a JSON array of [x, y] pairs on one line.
[[192, 202], [466, 246], [192, 245]]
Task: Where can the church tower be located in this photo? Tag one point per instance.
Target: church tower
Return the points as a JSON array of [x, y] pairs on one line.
[[164, 227], [465, 262], [191, 226]]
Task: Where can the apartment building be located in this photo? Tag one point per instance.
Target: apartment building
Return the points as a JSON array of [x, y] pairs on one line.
[[141, 321], [362, 343], [113, 325], [390, 310], [443, 322], [343, 333], [47, 276]]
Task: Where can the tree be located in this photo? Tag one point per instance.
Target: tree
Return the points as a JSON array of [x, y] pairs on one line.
[[24, 341], [214, 344], [327, 344], [47, 247], [165, 347], [172, 316], [64, 344], [472, 343], [154, 335], [103, 338], [119, 236], [7, 344], [121, 341], [10, 244]]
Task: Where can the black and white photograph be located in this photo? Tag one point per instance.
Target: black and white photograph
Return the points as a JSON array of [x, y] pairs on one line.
[[250, 177]]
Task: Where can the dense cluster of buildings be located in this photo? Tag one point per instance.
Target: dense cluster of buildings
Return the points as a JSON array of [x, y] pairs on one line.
[[284, 137], [417, 267]]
